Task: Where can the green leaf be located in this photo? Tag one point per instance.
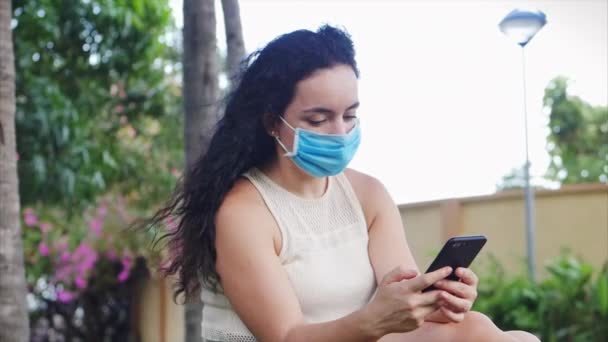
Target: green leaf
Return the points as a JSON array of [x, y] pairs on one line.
[[601, 293], [98, 180], [39, 167], [69, 181], [107, 159]]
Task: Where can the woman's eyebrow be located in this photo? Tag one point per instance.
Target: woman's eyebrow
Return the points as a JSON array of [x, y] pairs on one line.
[[324, 110]]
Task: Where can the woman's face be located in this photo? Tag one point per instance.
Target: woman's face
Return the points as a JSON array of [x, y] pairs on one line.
[[326, 102]]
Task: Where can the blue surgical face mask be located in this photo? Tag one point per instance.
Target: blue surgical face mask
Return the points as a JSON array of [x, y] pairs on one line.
[[322, 155]]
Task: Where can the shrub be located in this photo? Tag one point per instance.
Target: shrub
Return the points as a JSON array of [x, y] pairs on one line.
[[570, 304], [79, 270]]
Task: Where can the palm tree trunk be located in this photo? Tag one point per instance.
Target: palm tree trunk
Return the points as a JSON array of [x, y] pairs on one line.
[[234, 35], [200, 91], [14, 322], [201, 65]]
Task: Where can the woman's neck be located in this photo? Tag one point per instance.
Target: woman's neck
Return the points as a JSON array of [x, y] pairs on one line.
[[288, 175]]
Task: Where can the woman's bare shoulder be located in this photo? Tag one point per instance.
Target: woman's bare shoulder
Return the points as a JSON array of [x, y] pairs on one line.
[[367, 187], [369, 190], [243, 194], [362, 181], [243, 213]]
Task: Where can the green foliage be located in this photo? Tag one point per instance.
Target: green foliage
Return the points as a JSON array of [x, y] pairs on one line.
[[97, 100], [515, 179], [568, 305], [578, 141]]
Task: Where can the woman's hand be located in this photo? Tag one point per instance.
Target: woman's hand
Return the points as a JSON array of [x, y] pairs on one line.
[[399, 304], [457, 298]]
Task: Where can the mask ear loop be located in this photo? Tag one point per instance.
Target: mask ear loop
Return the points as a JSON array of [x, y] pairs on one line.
[[295, 140]]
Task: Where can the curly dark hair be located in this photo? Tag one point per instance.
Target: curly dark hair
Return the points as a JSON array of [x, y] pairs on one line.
[[261, 92]]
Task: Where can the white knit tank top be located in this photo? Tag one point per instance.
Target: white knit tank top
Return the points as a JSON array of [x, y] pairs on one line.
[[324, 252]]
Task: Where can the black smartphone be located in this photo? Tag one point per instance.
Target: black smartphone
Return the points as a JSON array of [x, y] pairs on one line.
[[457, 252]]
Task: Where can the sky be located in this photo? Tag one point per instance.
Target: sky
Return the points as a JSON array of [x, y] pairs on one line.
[[441, 92]]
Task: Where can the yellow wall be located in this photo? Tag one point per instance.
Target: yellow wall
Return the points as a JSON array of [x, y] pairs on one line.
[[159, 318], [574, 217], [423, 231]]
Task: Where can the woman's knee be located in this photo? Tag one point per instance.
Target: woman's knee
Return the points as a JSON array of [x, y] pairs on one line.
[[479, 327], [475, 327], [523, 336], [482, 325], [478, 321]]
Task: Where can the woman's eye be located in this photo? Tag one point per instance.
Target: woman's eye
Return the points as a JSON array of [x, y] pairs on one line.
[[350, 117], [316, 122]]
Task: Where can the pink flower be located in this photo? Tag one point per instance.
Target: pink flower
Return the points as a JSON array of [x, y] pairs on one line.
[[43, 249], [126, 268], [95, 226], [83, 251], [80, 281], [65, 256], [65, 296], [111, 254], [45, 227], [61, 245], [85, 256], [62, 273], [30, 217], [175, 172], [123, 276], [102, 211]]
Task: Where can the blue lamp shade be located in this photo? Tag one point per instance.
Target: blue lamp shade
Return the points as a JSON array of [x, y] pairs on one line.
[[522, 25]]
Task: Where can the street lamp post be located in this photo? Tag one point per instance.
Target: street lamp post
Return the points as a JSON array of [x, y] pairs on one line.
[[521, 26]]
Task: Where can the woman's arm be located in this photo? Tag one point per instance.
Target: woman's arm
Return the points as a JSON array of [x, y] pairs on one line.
[[388, 247]]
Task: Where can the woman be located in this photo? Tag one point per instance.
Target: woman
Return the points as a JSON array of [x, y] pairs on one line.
[[287, 243]]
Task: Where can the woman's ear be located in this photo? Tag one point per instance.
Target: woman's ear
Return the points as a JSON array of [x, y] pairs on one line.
[[270, 123]]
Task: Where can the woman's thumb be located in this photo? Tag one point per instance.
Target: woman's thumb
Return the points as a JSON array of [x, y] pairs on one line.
[[399, 273]]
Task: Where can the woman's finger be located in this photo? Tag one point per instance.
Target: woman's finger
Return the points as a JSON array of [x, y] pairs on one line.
[[455, 304], [398, 274], [451, 315], [425, 280], [467, 276], [422, 312], [430, 298], [458, 289]]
